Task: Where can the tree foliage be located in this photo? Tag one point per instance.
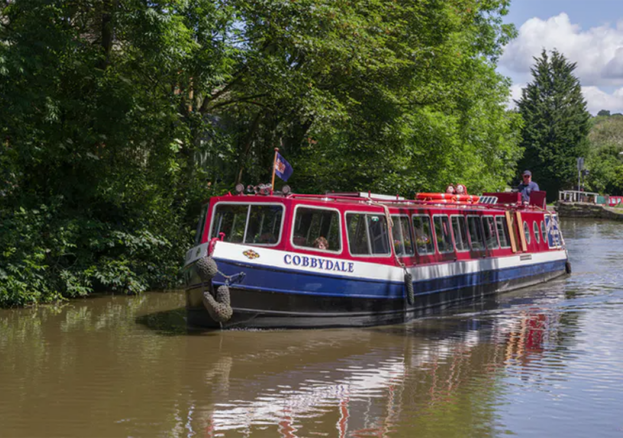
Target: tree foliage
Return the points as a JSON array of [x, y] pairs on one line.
[[604, 160], [119, 116], [556, 123]]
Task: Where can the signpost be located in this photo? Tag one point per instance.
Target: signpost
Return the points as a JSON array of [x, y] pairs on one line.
[[580, 168]]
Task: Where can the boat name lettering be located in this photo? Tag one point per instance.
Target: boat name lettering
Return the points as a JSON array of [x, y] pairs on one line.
[[315, 262]]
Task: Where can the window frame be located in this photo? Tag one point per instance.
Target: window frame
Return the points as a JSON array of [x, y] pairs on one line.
[[535, 231], [495, 230], [526, 232], [505, 229], [249, 204], [482, 231], [389, 243], [412, 237], [201, 225], [432, 231], [466, 236], [436, 245], [557, 237], [311, 248]]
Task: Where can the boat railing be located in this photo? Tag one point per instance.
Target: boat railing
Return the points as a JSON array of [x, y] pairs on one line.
[[578, 196], [396, 201]]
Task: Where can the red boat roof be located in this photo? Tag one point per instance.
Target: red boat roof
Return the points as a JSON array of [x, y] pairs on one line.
[[488, 201]]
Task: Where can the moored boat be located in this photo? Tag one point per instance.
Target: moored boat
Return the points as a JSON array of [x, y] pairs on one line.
[[283, 260]]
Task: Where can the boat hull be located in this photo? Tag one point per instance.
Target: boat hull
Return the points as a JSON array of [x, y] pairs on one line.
[[274, 297]]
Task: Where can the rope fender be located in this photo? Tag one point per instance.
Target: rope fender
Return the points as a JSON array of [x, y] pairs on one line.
[[409, 287], [206, 268], [218, 308]]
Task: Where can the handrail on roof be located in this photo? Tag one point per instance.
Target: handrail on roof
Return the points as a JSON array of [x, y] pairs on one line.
[[397, 202]]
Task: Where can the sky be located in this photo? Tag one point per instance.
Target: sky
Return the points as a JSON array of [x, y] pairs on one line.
[[587, 32]]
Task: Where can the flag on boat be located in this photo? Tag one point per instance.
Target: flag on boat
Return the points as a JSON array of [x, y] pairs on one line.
[[282, 168]]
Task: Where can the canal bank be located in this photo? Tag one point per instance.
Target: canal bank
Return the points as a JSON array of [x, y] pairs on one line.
[[588, 210]]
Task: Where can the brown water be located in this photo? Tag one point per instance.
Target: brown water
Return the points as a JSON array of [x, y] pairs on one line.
[[541, 362]]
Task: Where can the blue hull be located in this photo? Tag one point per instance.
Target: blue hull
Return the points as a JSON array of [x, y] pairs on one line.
[[279, 298]]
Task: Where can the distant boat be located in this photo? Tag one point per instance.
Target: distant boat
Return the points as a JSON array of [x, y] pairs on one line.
[[282, 260]]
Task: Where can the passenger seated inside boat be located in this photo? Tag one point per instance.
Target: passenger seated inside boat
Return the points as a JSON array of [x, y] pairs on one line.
[[321, 243], [450, 189], [267, 238]]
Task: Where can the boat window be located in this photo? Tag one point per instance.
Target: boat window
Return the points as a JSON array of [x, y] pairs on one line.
[[491, 238], [502, 227], [442, 234], [230, 219], [474, 226], [258, 224], [403, 239], [202, 224], [460, 233], [537, 235], [543, 234], [311, 224], [423, 233], [367, 234], [549, 231], [555, 232], [526, 231]]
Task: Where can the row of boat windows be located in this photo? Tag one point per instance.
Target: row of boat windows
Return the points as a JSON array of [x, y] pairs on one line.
[[367, 233]]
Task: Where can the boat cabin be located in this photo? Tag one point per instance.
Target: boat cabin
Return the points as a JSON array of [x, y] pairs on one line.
[[356, 226]]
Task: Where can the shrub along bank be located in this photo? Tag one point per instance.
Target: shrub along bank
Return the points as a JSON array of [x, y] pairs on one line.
[[118, 118]]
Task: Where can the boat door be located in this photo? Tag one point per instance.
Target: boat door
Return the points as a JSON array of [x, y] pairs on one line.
[[553, 234]]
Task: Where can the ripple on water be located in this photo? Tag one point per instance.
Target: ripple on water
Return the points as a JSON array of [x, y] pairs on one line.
[[542, 361]]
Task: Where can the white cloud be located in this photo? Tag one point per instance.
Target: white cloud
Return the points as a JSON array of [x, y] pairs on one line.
[[597, 51], [515, 94], [597, 100]]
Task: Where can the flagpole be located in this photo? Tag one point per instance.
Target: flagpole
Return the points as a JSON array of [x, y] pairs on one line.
[[272, 183]]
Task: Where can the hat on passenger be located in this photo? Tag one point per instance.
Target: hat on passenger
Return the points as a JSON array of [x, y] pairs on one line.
[[527, 172]]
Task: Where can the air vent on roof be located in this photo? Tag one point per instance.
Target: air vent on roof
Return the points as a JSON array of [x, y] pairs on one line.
[[488, 200]]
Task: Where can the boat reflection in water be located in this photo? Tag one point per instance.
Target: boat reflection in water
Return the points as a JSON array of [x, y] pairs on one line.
[[403, 379]]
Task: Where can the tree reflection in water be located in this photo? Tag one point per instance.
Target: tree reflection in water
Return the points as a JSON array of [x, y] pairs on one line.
[[127, 366]]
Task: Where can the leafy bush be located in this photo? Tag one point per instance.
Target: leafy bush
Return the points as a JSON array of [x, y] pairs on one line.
[[48, 256]]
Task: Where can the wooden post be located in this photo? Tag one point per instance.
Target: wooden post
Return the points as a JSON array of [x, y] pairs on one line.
[[272, 183], [511, 230], [520, 230]]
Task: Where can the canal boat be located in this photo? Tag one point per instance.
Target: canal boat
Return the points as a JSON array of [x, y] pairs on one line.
[[269, 259]]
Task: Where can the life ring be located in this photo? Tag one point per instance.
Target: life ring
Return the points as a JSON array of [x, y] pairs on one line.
[[437, 197], [467, 199]]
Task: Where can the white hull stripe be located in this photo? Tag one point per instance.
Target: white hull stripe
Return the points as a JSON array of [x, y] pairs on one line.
[[295, 262]]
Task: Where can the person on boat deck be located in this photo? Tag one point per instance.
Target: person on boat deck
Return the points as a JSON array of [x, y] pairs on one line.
[[321, 243], [461, 189], [527, 186], [450, 189]]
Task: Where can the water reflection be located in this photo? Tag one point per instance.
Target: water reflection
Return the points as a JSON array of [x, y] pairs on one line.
[[543, 361], [398, 380]]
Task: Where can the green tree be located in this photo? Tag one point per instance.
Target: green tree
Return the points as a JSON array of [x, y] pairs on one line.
[[556, 123], [604, 160], [117, 117]]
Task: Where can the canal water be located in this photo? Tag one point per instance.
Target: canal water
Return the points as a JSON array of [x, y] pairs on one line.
[[541, 362]]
